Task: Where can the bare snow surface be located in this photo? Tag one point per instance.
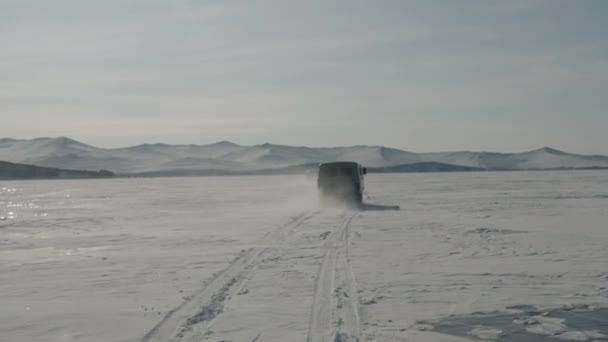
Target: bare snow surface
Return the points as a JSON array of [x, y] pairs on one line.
[[517, 256]]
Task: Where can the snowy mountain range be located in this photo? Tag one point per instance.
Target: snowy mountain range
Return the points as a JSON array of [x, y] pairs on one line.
[[23, 171], [67, 153]]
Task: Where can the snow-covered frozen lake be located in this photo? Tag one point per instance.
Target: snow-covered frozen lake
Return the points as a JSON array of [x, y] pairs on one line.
[[503, 256]]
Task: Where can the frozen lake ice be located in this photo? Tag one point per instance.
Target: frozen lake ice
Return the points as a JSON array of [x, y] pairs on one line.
[[470, 256]]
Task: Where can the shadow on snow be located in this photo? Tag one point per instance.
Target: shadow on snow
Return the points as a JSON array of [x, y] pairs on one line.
[[376, 207]]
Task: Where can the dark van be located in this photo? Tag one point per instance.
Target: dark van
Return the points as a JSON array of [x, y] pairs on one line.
[[341, 181]]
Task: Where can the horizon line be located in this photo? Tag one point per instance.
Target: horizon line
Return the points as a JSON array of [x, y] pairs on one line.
[[296, 146]]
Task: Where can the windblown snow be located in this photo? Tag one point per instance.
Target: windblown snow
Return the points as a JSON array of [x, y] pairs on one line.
[[67, 153], [517, 256]]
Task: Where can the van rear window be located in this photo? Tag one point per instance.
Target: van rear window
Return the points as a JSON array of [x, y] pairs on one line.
[[335, 171], [347, 171], [329, 171]]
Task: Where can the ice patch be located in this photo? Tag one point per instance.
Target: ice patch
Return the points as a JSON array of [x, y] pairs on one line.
[[526, 323], [547, 326], [579, 308], [485, 333], [580, 336]]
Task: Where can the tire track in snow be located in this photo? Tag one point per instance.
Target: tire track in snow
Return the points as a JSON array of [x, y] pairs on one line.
[[334, 316], [190, 320], [347, 296]]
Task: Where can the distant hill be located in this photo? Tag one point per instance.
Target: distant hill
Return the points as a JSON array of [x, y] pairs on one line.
[[424, 167], [306, 169], [23, 171], [226, 157], [290, 170]]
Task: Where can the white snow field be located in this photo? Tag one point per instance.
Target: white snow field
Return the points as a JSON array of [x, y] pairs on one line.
[[255, 259]]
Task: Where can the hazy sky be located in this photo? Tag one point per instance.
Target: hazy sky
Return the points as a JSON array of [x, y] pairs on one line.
[[418, 75]]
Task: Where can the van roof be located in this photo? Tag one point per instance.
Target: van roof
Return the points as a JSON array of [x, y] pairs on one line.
[[339, 163]]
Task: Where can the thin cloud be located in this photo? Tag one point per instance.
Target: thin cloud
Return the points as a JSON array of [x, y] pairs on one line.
[[296, 72]]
